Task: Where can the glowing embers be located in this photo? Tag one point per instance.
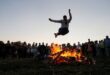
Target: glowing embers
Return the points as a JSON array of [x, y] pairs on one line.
[[64, 54]]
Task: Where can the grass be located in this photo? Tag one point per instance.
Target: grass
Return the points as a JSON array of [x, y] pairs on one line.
[[30, 66]]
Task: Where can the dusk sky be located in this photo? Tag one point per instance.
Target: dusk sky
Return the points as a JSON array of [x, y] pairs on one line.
[[27, 20]]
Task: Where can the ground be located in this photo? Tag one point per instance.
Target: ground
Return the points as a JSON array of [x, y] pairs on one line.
[[30, 66]]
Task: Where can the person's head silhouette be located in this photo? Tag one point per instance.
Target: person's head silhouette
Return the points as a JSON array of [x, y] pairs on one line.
[[107, 37], [65, 17]]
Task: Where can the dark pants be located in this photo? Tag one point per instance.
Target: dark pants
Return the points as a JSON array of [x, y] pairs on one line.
[[63, 31]]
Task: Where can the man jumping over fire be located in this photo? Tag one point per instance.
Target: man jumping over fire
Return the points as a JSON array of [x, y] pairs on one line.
[[64, 24]]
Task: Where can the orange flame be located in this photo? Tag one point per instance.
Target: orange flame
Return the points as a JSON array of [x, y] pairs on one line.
[[63, 54]]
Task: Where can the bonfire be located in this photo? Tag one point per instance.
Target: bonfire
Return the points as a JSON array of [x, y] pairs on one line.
[[64, 54]]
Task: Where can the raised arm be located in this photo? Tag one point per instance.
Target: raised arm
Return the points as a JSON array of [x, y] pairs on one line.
[[57, 21], [70, 16]]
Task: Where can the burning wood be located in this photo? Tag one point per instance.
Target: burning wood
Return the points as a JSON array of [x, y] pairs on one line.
[[61, 54]]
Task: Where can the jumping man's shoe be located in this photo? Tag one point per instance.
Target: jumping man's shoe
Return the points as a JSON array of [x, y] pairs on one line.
[[55, 35]]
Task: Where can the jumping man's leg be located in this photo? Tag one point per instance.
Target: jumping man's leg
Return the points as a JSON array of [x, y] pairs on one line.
[[62, 31], [56, 34]]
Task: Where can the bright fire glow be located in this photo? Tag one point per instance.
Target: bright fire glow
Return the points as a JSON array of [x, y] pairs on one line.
[[64, 54]]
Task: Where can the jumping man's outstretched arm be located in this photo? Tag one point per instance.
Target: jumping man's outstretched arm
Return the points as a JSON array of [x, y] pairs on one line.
[[57, 21], [70, 16]]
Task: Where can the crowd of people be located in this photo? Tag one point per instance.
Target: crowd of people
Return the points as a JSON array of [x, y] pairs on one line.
[[23, 50], [90, 49]]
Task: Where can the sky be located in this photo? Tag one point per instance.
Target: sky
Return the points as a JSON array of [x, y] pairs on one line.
[[27, 20]]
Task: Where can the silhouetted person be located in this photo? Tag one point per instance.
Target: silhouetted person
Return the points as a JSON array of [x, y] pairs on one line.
[[102, 48], [64, 24], [74, 46], [97, 48], [7, 48], [91, 52], [2, 49], [83, 48], [107, 45], [42, 51]]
